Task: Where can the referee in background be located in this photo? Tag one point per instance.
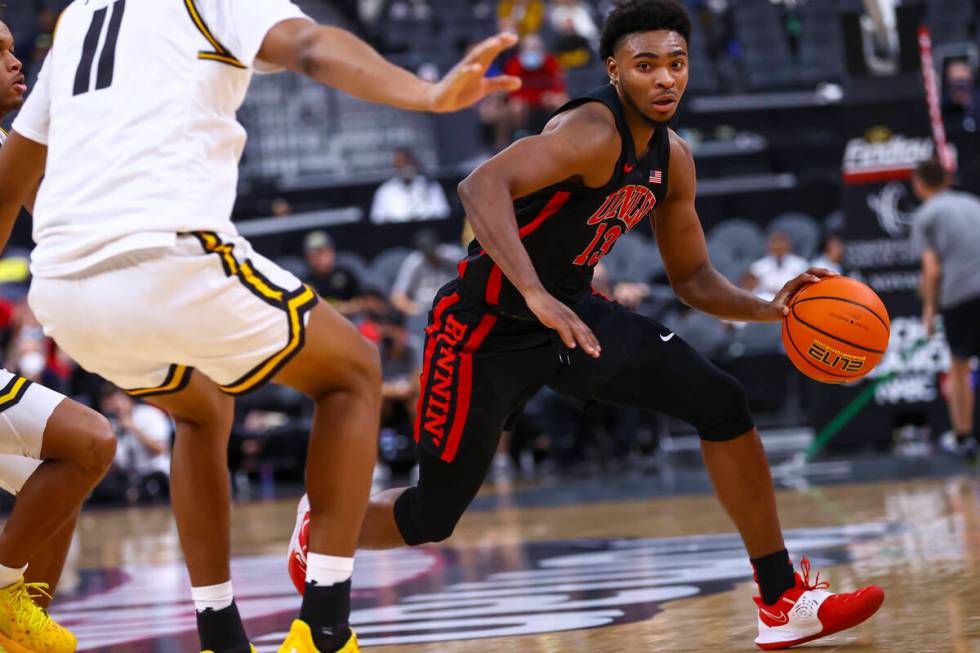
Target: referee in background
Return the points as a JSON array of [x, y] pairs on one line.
[[946, 233]]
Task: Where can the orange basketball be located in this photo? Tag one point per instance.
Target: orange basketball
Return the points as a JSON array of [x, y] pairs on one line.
[[837, 330]]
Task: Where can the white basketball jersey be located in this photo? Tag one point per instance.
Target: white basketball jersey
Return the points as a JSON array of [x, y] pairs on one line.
[[136, 102]]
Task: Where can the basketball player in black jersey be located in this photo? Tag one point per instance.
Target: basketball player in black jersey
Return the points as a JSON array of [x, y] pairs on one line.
[[521, 315]]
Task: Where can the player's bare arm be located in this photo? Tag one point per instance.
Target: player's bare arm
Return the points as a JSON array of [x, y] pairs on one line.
[[931, 274], [337, 58], [21, 168], [581, 145], [682, 244]]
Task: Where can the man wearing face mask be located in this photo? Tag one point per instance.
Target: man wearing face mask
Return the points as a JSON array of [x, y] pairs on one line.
[[963, 104], [962, 114], [409, 196], [543, 90]]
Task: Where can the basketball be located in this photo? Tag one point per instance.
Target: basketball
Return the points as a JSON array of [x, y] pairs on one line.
[[837, 330]]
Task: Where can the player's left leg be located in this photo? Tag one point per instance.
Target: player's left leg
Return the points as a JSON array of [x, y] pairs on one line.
[[49, 559], [48, 563], [663, 374], [75, 446]]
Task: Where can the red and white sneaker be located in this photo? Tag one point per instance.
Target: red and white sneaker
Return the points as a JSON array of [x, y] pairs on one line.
[[299, 544], [807, 611]]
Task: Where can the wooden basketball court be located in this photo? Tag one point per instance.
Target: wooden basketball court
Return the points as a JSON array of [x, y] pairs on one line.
[[563, 572]]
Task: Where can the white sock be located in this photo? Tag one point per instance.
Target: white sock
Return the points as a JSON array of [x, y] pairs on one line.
[[10, 575], [328, 570], [216, 597]]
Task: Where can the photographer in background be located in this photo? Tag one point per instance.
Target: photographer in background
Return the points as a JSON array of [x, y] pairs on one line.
[[141, 470]]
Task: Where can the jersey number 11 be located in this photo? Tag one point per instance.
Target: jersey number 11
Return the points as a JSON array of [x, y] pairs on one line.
[[107, 60]]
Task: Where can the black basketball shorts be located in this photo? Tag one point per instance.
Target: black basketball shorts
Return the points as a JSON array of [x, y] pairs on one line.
[[962, 325], [480, 369]]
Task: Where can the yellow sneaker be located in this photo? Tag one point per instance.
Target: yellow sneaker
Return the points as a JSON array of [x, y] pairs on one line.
[[300, 640], [25, 627]]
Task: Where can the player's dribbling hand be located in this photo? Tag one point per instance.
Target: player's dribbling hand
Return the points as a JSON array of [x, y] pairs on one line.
[[555, 315], [780, 303], [467, 83]]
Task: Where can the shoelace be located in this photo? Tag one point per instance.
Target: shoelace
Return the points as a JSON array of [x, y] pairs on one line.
[[37, 618], [817, 584]]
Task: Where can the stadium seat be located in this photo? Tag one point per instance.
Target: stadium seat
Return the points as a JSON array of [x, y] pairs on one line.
[[384, 268], [803, 232], [355, 263], [703, 332], [756, 338], [733, 245]]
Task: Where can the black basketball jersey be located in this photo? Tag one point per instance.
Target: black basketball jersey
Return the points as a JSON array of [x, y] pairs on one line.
[[567, 228]]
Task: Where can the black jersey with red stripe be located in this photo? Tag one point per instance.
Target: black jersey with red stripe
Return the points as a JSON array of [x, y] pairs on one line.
[[567, 228]]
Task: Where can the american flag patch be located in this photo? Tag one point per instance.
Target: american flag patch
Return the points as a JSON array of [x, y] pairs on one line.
[[656, 177]]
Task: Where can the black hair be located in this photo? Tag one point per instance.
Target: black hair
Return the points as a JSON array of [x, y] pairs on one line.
[[633, 16], [932, 173]]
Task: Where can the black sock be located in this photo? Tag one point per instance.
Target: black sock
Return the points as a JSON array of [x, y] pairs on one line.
[[327, 611], [774, 574], [222, 631]]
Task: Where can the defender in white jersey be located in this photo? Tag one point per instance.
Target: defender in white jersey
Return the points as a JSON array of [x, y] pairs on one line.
[[53, 451], [140, 275]]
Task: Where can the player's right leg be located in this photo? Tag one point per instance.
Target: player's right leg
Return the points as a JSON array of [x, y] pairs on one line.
[[962, 330], [341, 372], [659, 372], [75, 446]]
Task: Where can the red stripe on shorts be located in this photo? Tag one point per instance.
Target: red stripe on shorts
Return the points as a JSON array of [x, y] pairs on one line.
[[465, 386], [432, 331], [494, 283]]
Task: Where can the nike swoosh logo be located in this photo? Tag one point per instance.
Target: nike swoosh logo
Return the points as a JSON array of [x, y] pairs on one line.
[[781, 618], [667, 337], [628, 168]]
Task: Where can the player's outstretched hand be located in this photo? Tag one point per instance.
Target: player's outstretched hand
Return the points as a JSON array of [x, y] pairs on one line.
[[467, 83], [780, 303], [555, 315]]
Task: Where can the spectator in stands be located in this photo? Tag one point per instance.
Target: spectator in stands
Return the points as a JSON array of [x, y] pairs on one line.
[[280, 208], [946, 234], [527, 16], [399, 372], [141, 470], [47, 20], [831, 254], [571, 49], [575, 14], [543, 85], [334, 283], [423, 273], [409, 196], [778, 267], [962, 97]]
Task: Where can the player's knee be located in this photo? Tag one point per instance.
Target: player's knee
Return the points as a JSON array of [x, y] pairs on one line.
[[437, 526], [726, 415], [100, 442], [361, 375], [423, 522]]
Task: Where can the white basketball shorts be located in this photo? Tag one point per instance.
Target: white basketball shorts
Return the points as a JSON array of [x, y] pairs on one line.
[[25, 409], [146, 319]]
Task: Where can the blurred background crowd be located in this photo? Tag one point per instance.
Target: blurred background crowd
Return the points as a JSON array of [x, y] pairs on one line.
[[360, 202]]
